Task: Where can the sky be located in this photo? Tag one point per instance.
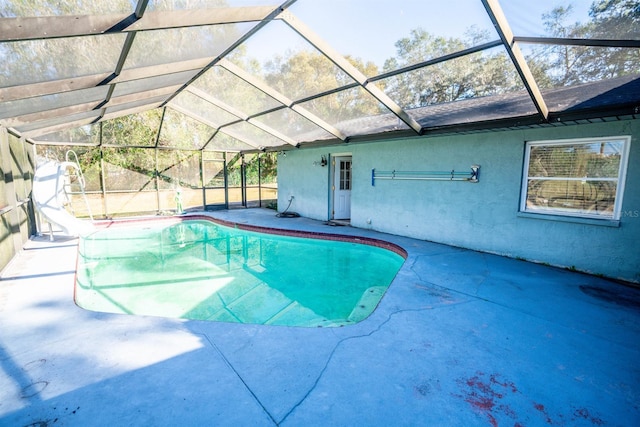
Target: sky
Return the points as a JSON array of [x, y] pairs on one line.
[[369, 28]]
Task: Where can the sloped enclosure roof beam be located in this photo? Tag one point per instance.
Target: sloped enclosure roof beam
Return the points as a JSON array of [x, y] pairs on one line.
[[196, 116], [438, 60], [506, 35], [221, 128], [213, 101], [40, 128], [33, 28], [85, 106], [123, 56], [218, 103], [340, 61], [49, 114], [262, 86], [133, 110], [12, 93], [140, 8], [273, 12], [272, 131], [56, 128], [88, 121]]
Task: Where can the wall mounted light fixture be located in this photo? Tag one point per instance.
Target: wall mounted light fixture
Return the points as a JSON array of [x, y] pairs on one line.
[[322, 162]]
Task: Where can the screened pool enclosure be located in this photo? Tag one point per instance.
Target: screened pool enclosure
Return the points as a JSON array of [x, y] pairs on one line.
[[204, 96]]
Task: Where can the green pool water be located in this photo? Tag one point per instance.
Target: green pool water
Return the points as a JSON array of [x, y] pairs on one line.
[[197, 269]]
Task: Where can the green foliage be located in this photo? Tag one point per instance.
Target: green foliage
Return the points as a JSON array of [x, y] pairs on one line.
[[183, 132], [302, 73], [135, 129], [557, 65], [469, 76], [269, 167], [268, 163], [618, 17]]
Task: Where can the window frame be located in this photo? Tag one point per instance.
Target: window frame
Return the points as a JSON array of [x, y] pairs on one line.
[[621, 178]]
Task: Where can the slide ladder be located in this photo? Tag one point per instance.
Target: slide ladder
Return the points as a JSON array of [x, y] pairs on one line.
[[51, 194], [74, 173]]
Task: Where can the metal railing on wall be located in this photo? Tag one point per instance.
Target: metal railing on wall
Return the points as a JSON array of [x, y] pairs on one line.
[[451, 175]]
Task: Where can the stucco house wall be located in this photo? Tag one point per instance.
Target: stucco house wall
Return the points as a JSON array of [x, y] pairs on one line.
[[482, 216]]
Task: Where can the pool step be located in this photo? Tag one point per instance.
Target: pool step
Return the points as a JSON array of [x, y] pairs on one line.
[[259, 304], [265, 305], [367, 303], [297, 314]]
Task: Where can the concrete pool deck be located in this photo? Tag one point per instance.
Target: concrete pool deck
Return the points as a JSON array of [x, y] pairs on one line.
[[461, 338]]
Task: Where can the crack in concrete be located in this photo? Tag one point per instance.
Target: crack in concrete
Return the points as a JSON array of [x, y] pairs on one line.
[[324, 368], [326, 365], [226, 361], [335, 348]]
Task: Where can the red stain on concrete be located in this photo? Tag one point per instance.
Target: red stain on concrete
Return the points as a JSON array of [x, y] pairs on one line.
[[508, 385], [485, 393], [492, 396], [541, 409], [584, 414]]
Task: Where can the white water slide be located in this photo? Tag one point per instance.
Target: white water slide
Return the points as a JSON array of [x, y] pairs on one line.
[[49, 196]]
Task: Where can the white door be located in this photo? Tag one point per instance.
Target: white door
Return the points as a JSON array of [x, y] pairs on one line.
[[342, 188]]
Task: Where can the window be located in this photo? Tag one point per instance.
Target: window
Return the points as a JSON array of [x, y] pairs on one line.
[[582, 178], [345, 175]]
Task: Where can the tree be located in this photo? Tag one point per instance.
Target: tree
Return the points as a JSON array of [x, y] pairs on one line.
[[474, 75], [299, 74], [265, 163], [303, 73], [561, 65], [616, 19], [613, 19]]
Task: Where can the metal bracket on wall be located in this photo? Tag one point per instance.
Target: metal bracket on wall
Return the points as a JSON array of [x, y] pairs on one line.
[[452, 175]]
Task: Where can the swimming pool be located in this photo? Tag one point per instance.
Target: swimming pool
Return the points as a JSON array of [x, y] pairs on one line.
[[199, 269]]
